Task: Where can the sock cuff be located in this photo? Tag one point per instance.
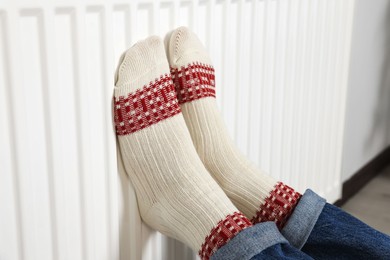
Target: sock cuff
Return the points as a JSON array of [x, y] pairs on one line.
[[222, 233], [278, 206]]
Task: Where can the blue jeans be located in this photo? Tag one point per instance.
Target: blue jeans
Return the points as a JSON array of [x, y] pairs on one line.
[[262, 241], [337, 234], [316, 230]]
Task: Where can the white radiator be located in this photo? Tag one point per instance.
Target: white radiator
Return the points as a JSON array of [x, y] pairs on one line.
[[281, 80]]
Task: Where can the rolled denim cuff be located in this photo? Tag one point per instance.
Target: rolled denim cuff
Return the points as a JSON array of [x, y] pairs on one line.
[[250, 242], [301, 223]]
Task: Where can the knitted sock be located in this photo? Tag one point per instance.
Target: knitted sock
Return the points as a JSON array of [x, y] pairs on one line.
[[175, 193], [257, 195]]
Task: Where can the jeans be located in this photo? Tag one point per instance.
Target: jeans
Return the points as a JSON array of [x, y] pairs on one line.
[[315, 230], [262, 241], [338, 235]]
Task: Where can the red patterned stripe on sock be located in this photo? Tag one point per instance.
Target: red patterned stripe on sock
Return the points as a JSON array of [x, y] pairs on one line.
[[146, 106], [278, 206], [222, 233], [194, 81]]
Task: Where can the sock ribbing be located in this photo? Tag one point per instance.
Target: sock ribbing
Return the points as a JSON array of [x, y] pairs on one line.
[[175, 193], [255, 193]]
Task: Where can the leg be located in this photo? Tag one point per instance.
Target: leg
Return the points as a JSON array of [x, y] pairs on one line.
[[260, 197], [257, 195], [175, 193]]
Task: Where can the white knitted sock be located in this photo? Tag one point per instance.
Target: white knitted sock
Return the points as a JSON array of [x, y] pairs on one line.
[[257, 195], [175, 193]]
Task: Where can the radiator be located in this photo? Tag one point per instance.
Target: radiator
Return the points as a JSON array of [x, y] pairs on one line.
[[281, 73]]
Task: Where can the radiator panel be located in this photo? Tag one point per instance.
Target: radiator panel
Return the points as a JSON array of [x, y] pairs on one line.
[[281, 75]]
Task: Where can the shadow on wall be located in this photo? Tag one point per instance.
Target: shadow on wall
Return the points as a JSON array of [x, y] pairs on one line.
[[382, 114]]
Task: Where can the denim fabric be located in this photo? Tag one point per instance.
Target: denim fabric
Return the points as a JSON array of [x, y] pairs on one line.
[[301, 223], [280, 251], [338, 235], [319, 229], [262, 241]]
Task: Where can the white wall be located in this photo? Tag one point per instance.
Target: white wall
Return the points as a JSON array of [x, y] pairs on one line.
[[367, 123]]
